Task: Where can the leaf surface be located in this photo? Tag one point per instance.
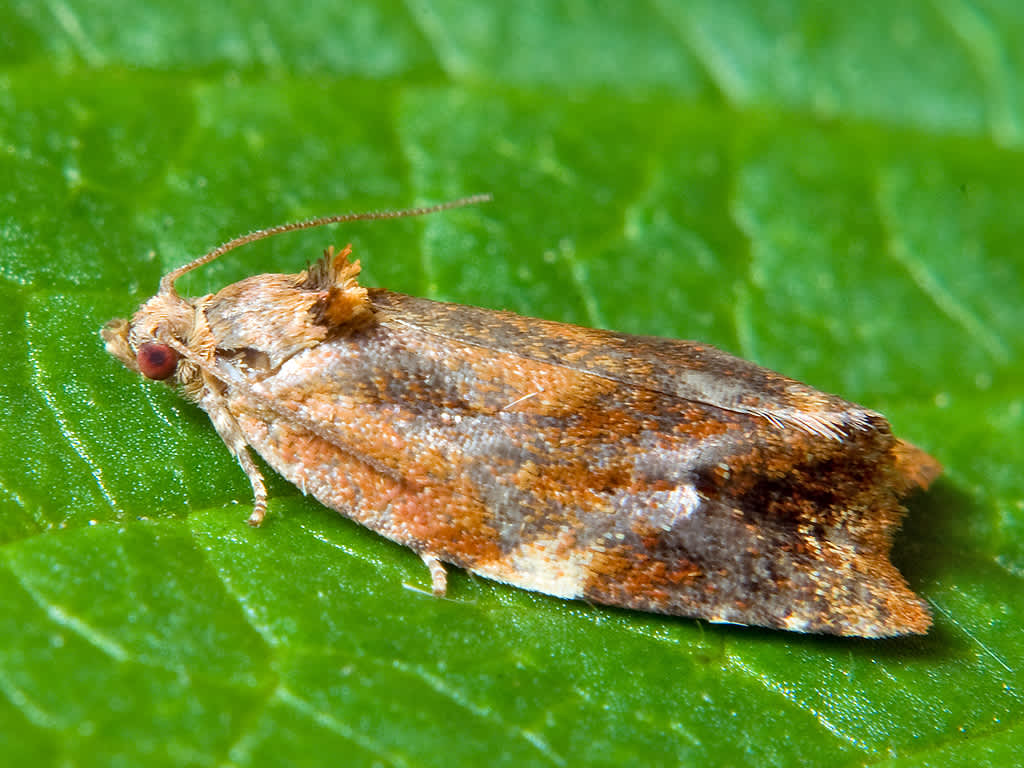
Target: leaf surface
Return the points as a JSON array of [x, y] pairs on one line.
[[836, 194]]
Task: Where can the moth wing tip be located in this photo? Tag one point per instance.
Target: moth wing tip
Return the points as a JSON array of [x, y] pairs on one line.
[[917, 467], [912, 617]]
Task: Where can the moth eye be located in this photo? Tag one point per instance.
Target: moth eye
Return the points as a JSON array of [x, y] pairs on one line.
[[156, 361]]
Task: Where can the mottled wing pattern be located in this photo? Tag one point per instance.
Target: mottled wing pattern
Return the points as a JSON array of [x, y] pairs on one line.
[[648, 473]]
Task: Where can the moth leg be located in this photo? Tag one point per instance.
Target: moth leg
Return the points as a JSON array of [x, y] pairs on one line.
[[259, 490], [233, 438], [438, 575]]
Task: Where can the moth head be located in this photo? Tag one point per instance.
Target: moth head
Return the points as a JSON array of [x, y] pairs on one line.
[[162, 341], [149, 343]]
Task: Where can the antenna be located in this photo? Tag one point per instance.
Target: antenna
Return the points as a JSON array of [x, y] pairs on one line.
[[168, 280]]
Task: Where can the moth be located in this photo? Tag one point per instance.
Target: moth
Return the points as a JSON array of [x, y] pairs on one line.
[[649, 473]]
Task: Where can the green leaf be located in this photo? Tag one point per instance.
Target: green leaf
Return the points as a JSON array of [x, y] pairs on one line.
[[834, 193]]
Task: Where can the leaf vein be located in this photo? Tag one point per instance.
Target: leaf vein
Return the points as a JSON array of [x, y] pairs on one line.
[[982, 42], [337, 727], [433, 29], [68, 21], [77, 445], [439, 686], [959, 625], [790, 696], [952, 307], [107, 645]]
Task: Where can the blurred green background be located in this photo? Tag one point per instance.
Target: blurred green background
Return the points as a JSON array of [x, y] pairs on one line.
[[833, 192]]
